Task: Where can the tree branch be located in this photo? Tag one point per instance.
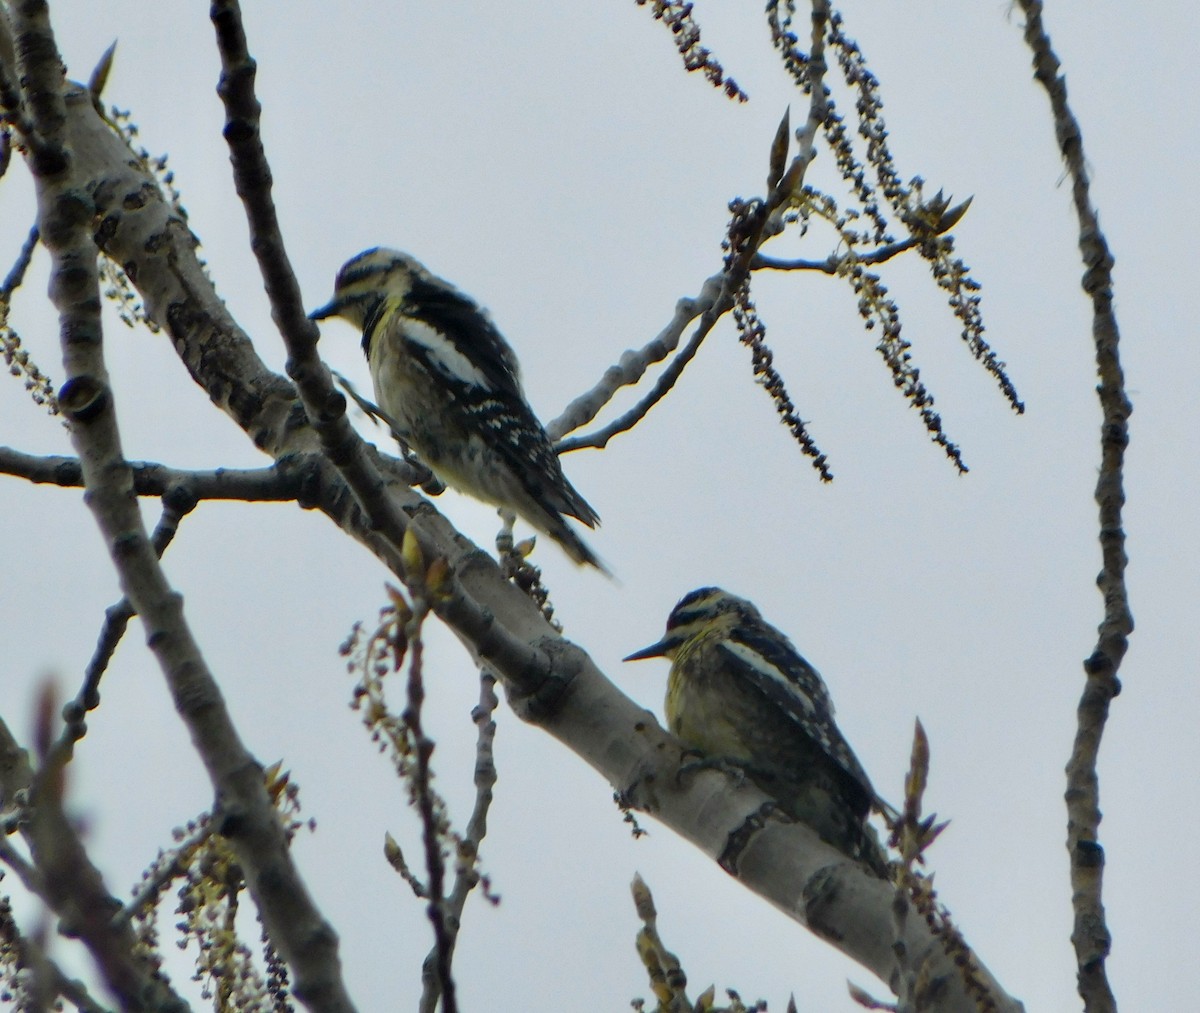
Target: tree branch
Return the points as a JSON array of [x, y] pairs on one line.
[[246, 816], [64, 877], [116, 621], [753, 223], [1091, 937], [466, 874], [277, 484], [714, 301], [16, 274], [834, 263], [49, 980]]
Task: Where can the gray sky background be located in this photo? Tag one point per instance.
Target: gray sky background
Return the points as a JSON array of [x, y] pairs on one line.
[[554, 161]]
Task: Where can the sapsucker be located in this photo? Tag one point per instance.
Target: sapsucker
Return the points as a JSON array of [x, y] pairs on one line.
[[740, 694], [451, 386]]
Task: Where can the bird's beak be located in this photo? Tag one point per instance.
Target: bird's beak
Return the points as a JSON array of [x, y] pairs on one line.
[[658, 650], [330, 309]]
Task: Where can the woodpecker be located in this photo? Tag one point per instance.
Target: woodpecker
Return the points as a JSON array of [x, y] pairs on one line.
[[452, 386], [740, 694]]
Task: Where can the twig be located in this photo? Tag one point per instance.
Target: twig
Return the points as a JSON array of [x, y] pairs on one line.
[[63, 876], [752, 224], [466, 872], [16, 274], [252, 177], [485, 782], [48, 975], [666, 379], [750, 227], [116, 621], [433, 829], [278, 484], [324, 406], [16, 357], [152, 886], [26, 872], [1091, 937], [833, 264]]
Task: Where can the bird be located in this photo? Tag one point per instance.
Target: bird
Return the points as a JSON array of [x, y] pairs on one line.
[[740, 694], [452, 388]]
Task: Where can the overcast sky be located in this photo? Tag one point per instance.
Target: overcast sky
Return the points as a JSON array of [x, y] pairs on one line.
[[554, 161]]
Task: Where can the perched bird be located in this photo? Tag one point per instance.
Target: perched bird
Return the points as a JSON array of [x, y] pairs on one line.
[[741, 694], [452, 386]]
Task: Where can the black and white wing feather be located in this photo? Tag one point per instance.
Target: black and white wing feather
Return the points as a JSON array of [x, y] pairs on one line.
[[766, 661]]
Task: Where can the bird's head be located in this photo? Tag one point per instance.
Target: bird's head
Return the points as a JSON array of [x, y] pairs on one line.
[[373, 276], [705, 610]]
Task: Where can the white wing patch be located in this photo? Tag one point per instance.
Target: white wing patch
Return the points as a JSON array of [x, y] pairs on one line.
[[760, 664], [443, 353]]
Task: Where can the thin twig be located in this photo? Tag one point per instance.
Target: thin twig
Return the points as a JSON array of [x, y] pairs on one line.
[[17, 273], [718, 295], [662, 386], [754, 222], [466, 873], [151, 888], [116, 621], [833, 264], [324, 406], [49, 977], [248, 485], [62, 875], [434, 832], [26, 871], [633, 364], [1091, 937], [252, 177]]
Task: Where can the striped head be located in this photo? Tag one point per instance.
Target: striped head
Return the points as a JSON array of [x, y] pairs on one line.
[[703, 612], [369, 280]]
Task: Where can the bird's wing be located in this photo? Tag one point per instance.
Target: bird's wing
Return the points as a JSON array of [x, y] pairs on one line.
[[468, 329], [772, 666], [454, 340]]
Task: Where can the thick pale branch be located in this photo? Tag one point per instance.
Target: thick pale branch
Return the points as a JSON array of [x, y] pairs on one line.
[[783, 862]]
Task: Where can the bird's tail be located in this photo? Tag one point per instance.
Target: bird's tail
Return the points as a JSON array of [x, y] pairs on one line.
[[574, 546]]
